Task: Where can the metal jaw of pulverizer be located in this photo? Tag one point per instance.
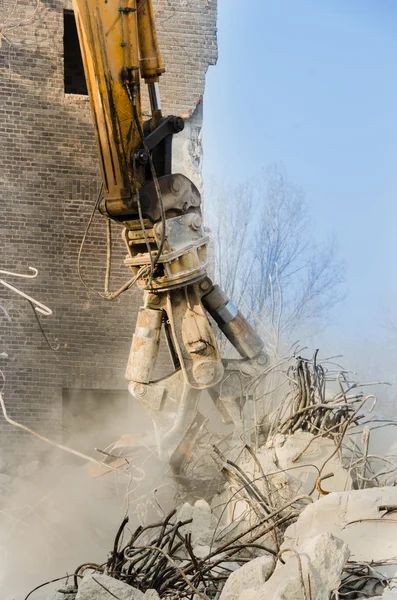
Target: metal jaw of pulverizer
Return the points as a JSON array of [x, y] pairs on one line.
[[172, 401]]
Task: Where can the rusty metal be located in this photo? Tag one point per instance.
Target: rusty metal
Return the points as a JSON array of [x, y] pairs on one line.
[[160, 556], [319, 480]]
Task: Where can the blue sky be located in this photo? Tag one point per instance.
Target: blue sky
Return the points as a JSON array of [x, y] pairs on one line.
[[312, 84]]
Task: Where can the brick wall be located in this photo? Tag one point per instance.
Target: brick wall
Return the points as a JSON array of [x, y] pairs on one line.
[[49, 181]]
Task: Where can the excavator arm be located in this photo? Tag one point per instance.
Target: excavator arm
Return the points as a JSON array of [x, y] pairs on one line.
[[161, 214]]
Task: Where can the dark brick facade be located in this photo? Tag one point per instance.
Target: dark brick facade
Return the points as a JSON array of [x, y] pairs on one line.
[[49, 180]]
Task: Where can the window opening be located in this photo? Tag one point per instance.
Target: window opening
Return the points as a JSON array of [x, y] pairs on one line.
[[74, 78]]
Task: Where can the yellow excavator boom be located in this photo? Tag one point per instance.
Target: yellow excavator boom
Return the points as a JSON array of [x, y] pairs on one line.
[[119, 45]]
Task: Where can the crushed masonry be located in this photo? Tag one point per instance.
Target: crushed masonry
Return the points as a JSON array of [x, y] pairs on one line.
[[304, 509]]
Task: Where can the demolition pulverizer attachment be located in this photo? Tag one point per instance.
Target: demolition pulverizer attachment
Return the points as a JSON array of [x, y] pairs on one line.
[[171, 401], [160, 211]]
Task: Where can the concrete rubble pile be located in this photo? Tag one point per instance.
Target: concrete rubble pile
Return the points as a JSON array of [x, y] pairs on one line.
[[303, 512]]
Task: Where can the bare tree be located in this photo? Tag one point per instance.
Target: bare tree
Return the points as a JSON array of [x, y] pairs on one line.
[[265, 255]]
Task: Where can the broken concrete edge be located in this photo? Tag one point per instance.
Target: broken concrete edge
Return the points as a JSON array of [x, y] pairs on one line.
[[312, 571]]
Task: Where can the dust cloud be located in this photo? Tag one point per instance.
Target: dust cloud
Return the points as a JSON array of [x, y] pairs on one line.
[[58, 512]]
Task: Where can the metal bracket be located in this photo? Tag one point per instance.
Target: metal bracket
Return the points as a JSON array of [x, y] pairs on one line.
[[126, 9], [168, 126]]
